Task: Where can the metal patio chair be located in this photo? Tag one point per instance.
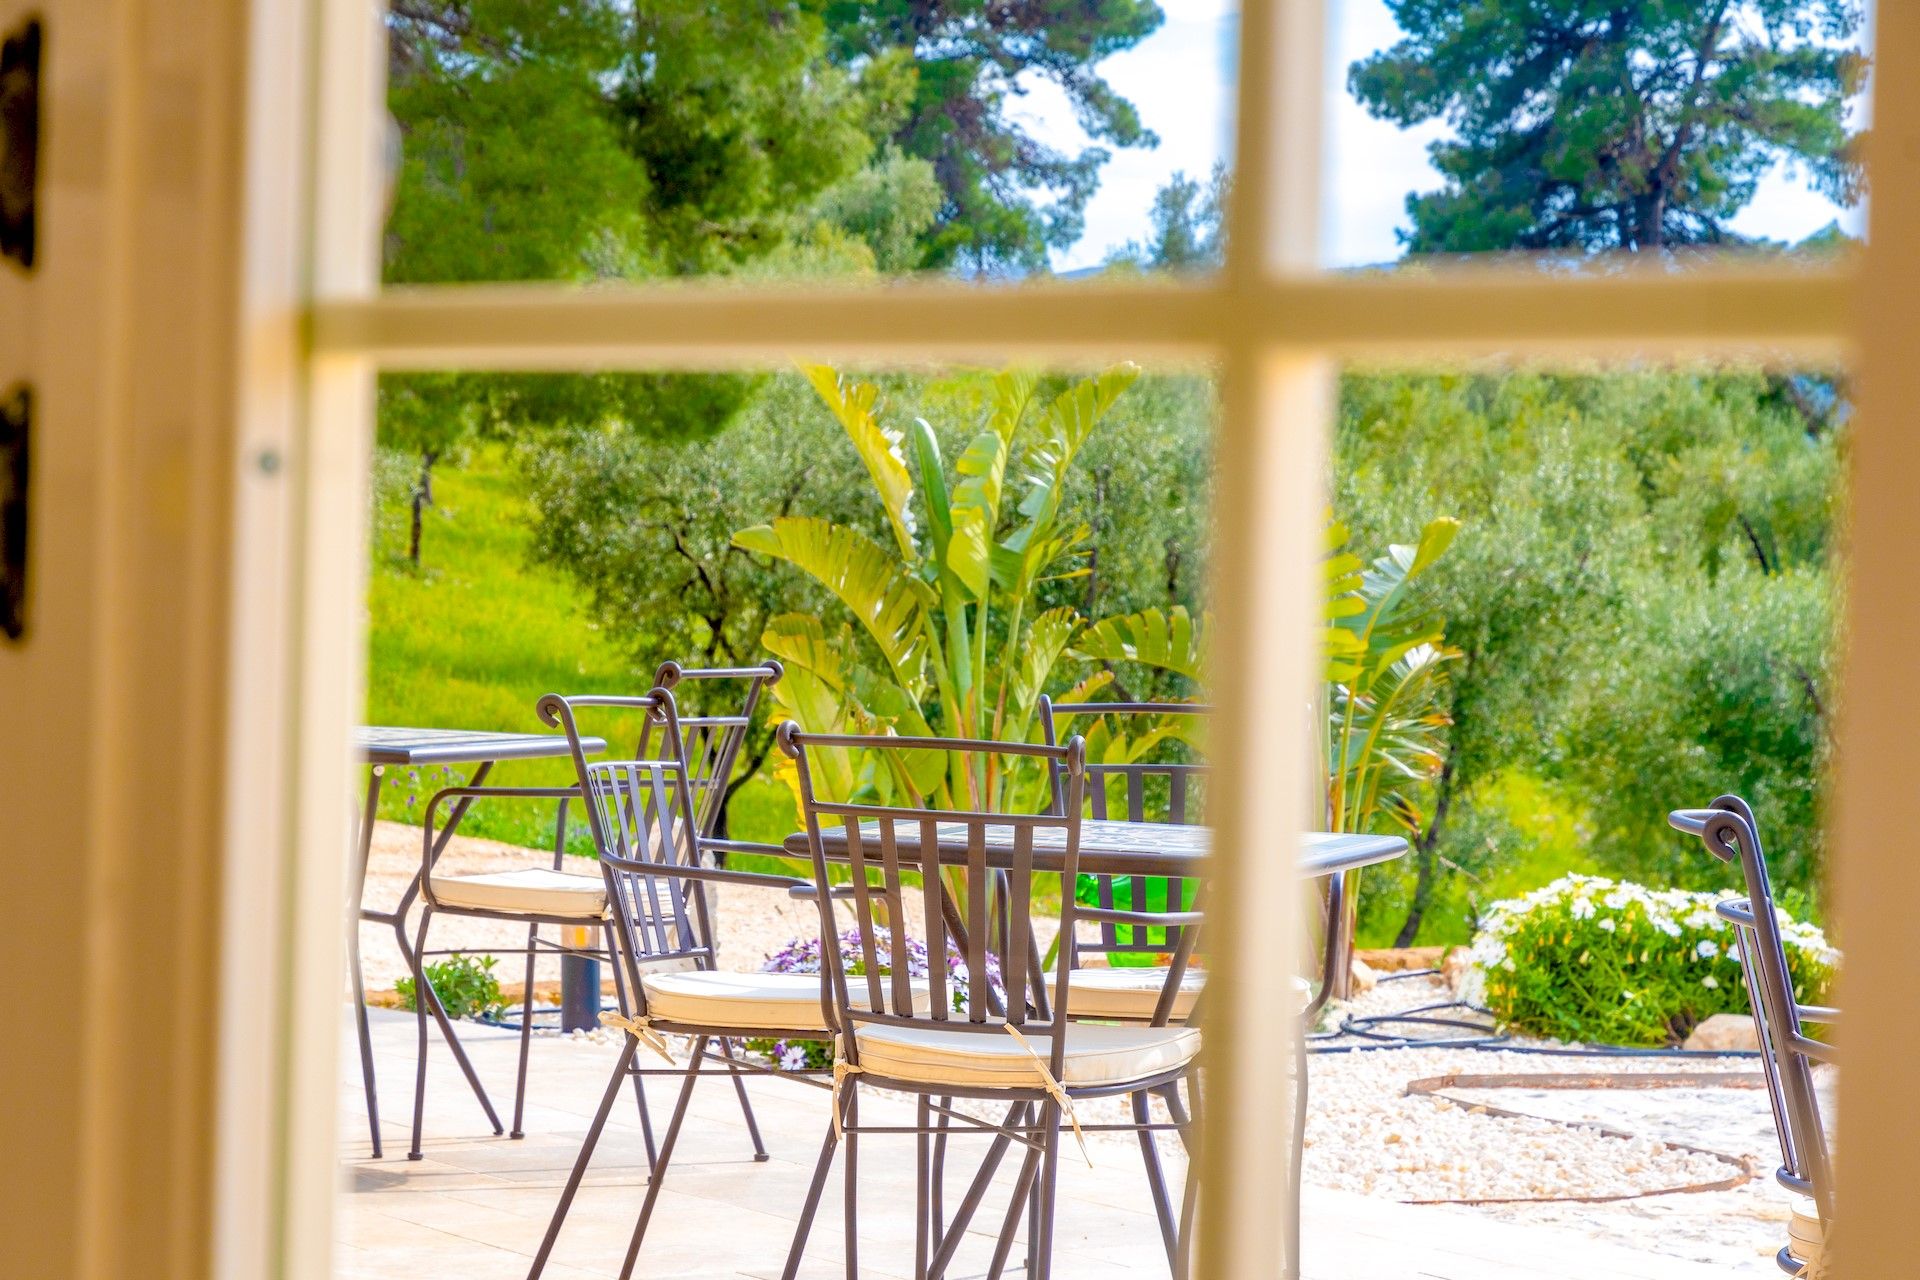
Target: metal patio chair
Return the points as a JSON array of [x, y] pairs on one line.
[[577, 900], [1729, 832], [998, 1048], [656, 871]]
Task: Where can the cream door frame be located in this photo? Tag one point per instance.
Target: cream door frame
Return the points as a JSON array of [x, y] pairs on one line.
[[1275, 328]]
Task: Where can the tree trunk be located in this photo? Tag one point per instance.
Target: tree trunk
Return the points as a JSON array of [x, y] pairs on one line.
[[1426, 852], [422, 499]]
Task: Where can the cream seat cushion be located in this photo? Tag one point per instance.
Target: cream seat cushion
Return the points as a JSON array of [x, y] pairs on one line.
[[1131, 994], [1096, 1055], [1127, 993], [532, 891], [751, 1001], [1805, 1236]]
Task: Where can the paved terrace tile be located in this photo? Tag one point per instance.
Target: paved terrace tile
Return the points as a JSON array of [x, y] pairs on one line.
[[476, 1207]]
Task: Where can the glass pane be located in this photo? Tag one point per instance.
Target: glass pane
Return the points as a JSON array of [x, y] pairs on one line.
[[927, 552], [1559, 605], [613, 141], [1569, 131], [1622, 587]]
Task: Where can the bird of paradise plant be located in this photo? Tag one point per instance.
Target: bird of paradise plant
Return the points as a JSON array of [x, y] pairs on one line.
[[1387, 661], [946, 608], [947, 605]]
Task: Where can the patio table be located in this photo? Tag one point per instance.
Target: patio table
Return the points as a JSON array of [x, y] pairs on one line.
[[384, 746], [1111, 848]]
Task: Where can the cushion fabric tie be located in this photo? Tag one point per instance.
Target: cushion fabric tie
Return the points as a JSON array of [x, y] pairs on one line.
[[1054, 1091], [641, 1029], [841, 1070]]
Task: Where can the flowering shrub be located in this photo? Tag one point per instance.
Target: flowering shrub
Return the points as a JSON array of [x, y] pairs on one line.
[[1598, 961], [802, 955]]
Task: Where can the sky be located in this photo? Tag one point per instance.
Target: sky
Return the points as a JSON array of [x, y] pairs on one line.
[[1180, 80]]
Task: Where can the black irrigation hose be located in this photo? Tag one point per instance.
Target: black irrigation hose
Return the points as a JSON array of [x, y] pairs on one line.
[[1367, 1029]]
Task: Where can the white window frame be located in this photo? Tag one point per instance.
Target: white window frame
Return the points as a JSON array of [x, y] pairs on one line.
[[1275, 327]]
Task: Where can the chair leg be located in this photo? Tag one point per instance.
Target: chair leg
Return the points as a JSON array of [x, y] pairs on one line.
[[639, 1081], [936, 1202], [922, 1179], [666, 1154], [746, 1107], [1023, 1201], [422, 997], [1177, 1111], [1156, 1178], [586, 1154], [821, 1168], [1189, 1200], [1049, 1182], [945, 1245], [526, 1040], [365, 1031], [851, 1168], [416, 959]]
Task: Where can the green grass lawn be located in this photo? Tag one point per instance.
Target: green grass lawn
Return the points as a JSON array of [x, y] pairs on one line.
[[475, 636]]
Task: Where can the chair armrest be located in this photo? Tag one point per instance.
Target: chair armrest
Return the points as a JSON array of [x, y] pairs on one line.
[[1818, 1050], [754, 847], [811, 892], [711, 875], [1821, 1014], [1691, 821], [1152, 919]]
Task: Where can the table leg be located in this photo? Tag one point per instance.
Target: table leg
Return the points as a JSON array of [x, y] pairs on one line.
[[1336, 950], [398, 919], [353, 958]]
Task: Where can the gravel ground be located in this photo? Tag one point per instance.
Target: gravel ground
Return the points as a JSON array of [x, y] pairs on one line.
[[1366, 1134]]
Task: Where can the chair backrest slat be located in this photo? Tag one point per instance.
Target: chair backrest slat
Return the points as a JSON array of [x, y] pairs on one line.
[[1019, 888], [932, 892], [863, 904], [977, 894], [1141, 893], [711, 743]]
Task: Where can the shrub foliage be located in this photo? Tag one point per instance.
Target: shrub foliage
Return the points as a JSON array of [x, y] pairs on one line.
[[465, 984], [1600, 961]]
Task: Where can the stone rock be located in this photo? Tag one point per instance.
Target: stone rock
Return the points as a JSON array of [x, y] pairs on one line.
[[1724, 1031], [1364, 978], [1395, 959]]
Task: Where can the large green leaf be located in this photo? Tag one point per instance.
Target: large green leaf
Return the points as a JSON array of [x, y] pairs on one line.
[[886, 598], [813, 692], [800, 641], [892, 710], [1169, 641], [1344, 649], [1395, 731], [933, 485], [1070, 419], [1045, 641], [976, 509], [1010, 398], [1394, 619], [853, 402]]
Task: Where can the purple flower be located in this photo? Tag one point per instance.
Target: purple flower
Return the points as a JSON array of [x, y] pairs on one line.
[[803, 955]]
